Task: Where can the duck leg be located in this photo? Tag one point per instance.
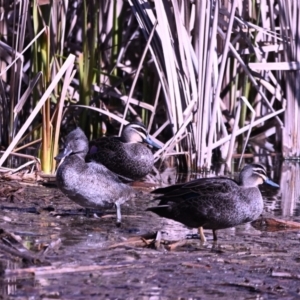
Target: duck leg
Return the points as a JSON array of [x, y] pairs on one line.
[[201, 233], [119, 217], [215, 235]]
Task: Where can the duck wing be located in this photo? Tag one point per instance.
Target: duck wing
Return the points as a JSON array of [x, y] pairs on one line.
[[105, 172], [194, 203], [198, 188], [103, 149]]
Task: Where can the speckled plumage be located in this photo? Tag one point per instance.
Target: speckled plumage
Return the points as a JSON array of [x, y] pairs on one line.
[[214, 203], [127, 155], [90, 185]]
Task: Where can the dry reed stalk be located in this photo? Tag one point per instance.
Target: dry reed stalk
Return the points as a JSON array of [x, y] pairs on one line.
[[68, 63], [207, 55], [289, 26], [198, 62]]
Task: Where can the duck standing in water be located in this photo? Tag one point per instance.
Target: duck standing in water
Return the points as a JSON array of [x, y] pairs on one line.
[[126, 155], [90, 185], [214, 203]]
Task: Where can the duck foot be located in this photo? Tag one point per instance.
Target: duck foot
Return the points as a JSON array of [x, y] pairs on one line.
[[215, 235], [119, 216], [202, 236]]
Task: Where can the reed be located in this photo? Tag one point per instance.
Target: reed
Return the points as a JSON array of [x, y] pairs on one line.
[[200, 51], [202, 75]]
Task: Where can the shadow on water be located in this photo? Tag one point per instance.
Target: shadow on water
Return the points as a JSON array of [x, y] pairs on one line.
[[71, 256]]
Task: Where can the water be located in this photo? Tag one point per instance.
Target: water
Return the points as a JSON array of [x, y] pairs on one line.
[[92, 258]]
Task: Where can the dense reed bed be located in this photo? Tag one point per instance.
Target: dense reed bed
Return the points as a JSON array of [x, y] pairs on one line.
[[210, 79]]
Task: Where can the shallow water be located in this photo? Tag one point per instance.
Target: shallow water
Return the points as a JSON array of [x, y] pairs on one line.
[[92, 258]]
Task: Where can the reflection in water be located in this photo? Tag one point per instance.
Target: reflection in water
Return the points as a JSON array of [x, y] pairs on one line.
[[8, 286]]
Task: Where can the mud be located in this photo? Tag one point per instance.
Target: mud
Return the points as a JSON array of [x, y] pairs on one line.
[[68, 255]]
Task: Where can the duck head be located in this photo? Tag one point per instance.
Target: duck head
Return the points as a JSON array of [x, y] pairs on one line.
[[136, 132], [253, 175], [76, 143]]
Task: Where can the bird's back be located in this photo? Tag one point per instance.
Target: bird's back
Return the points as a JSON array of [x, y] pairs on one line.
[[91, 184], [212, 203], [133, 160]]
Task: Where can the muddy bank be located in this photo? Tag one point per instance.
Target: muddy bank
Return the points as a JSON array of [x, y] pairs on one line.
[[90, 257]]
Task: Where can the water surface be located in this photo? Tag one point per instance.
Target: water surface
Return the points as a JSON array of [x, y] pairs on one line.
[[92, 258]]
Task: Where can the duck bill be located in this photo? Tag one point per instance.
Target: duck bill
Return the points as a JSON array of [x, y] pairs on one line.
[[272, 183], [151, 143], [66, 152]]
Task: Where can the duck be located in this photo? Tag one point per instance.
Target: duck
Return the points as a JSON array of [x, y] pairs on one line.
[[214, 203], [127, 155], [89, 184]]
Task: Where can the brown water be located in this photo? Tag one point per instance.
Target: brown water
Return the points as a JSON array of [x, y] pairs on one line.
[[92, 258]]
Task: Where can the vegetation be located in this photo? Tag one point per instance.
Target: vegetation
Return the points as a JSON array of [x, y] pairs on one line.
[[206, 77]]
